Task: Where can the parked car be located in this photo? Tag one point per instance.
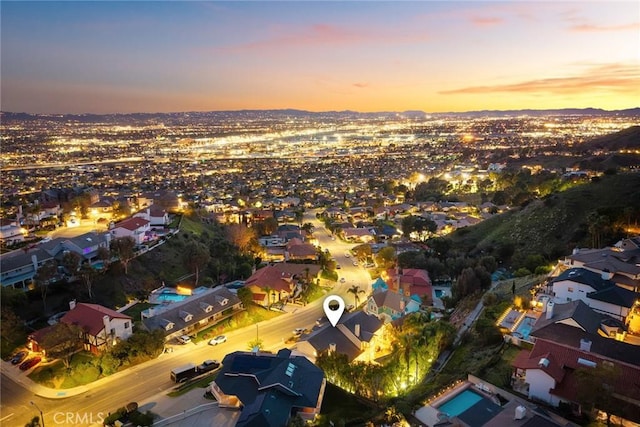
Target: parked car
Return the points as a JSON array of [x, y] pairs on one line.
[[19, 357], [298, 331], [321, 321], [350, 307], [30, 363], [184, 339], [342, 280], [208, 365], [218, 340]]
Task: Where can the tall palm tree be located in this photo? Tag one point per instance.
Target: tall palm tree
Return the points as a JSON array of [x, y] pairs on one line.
[[355, 290]]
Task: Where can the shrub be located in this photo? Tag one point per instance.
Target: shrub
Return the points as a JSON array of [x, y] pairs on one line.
[[522, 272], [140, 419], [489, 299]]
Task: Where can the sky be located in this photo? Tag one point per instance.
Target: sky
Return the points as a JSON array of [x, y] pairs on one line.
[[171, 56]]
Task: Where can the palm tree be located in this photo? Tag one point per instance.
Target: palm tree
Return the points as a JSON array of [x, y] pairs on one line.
[[355, 290], [268, 290]]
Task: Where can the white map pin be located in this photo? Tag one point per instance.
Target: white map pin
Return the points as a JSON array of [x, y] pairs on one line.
[[333, 315]]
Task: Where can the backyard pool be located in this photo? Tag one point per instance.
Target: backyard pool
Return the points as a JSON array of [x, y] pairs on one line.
[[525, 326], [460, 403], [439, 293], [170, 295], [471, 407]]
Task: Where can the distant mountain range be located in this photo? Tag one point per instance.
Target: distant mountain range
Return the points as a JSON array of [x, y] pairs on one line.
[[294, 113]]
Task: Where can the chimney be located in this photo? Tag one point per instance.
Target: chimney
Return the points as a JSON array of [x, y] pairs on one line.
[[550, 305], [107, 324], [34, 261], [402, 305], [72, 304], [332, 348], [585, 344], [356, 330]]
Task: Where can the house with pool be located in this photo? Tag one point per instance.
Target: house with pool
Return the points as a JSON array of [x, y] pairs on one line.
[[180, 312]]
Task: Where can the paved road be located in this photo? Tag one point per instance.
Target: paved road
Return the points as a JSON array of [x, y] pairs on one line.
[[145, 381]]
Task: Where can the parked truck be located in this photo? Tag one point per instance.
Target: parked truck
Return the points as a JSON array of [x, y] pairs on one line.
[[183, 373]]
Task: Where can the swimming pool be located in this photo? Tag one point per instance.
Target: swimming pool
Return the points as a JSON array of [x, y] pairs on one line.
[[525, 326], [460, 403], [169, 295], [439, 293]]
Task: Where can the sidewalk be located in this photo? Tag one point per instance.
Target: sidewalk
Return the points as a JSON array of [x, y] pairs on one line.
[[20, 377]]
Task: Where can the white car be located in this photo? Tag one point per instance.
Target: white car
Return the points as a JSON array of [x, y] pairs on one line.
[[342, 280], [184, 339], [298, 331], [218, 340]]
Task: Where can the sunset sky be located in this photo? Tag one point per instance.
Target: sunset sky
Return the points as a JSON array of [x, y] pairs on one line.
[[145, 56]]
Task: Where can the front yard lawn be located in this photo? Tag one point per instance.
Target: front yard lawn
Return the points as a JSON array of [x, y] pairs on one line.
[[55, 375]]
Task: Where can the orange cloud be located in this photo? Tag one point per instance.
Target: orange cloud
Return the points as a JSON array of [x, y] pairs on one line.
[[610, 77], [361, 85]]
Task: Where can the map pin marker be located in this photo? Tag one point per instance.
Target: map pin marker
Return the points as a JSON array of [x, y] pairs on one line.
[[332, 312]]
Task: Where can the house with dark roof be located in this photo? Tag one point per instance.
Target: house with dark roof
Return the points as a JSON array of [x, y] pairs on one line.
[[597, 290], [299, 250], [269, 389], [202, 309], [567, 338], [357, 335], [17, 268], [102, 326]]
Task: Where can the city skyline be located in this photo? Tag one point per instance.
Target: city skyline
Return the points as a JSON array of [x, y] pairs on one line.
[[104, 57]]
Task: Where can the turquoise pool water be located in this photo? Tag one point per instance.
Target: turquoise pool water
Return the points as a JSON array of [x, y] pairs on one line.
[[439, 293], [168, 295], [460, 403], [525, 326]]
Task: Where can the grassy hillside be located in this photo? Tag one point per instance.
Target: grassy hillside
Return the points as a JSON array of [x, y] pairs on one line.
[[555, 225]]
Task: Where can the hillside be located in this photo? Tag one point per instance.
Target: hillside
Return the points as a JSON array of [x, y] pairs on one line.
[[555, 225], [626, 139]]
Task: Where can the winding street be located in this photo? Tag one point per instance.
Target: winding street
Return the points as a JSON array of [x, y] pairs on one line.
[[146, 380]]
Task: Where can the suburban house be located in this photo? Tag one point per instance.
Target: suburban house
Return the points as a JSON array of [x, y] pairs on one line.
[[620, 263], [597, 290], [569, 338], [192, 314], [269, 389], [279, 282], [19, 267], [363, 235], [156, 215], [85, 245], [162, 198], [102, 326], [136, 228], [298, 250], [11, 232], [409, 282], [358, 335], [388, 306]]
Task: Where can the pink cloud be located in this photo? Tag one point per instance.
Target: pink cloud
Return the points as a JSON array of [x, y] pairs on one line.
[[323, 35], [592, 28], [486, 21], [609, 77]]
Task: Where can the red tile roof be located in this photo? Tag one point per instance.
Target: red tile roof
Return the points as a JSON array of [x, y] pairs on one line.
[[565, 359], [272, 278], [132, 223], [89, 317]]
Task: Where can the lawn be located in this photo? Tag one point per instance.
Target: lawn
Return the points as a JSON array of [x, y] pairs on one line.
[[55, 375], [135, 310], [202, 382]]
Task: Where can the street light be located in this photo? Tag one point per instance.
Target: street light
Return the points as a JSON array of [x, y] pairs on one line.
[[40, 410]]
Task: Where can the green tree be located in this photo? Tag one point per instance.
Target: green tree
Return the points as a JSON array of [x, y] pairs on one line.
[[246, 296], [596, 389], [355, 290], [195, 256], [88, 274], [122, 248], [35, 422], [62, 341], [255, 343], [386, 257], [43, 277]]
